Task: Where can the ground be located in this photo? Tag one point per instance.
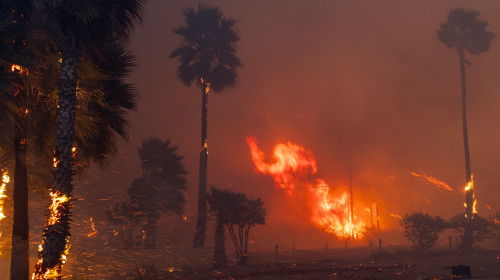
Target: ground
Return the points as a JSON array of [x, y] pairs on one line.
[[354, 263]]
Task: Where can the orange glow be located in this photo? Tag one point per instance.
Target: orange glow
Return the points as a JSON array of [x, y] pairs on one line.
[[432, 180], [291, 166]]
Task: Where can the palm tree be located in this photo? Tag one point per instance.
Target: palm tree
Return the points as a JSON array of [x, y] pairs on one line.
[[208, 58], [465, 32], [14, 21], [224, 205], [160, 187], [76, 27]]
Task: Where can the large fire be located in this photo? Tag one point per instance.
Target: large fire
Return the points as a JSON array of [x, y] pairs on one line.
[[291, 167]]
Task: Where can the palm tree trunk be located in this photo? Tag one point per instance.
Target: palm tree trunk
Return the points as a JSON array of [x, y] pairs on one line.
[[56, 233], [201, 222], [220, 249], [19, 263], [467, 242]]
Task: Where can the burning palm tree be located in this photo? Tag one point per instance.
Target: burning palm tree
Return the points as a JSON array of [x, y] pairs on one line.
[[465, 32], [75, 28]]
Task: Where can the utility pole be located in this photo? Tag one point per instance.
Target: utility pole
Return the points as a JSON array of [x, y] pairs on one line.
[[351, 230]]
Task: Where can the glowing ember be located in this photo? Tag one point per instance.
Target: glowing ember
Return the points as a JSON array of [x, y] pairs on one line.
[[396, 216], [291, 166], [432, 181], [3, 187], [92, 226], [18, 68]]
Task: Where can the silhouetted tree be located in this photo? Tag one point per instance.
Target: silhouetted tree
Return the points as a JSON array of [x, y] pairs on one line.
[[482, 229], [208, 58], [422, 230], [465, 32], [238, 214], [249, 214], [160, 187], [124, 216]]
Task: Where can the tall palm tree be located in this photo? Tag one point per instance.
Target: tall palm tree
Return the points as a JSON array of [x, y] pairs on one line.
[[14, 22], [465, 32], [208, 58]]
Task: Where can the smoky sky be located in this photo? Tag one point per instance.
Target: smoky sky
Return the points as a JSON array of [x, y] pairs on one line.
[[328, 75]]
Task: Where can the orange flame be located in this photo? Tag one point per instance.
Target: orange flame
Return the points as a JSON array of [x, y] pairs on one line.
[[470, 187], [432, 180], [291, 166]]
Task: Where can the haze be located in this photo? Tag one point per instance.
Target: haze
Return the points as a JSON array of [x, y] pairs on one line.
[[326, 75]]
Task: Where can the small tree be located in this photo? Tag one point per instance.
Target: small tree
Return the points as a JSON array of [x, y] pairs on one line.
[[482, 229], [124, 216], [422, 230], [238, 214], [223, 205], [251, 212]]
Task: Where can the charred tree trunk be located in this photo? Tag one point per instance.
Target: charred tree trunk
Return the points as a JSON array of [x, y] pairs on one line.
[[220, 249], [57, 231], [244, 257], [467, 241], [19, 263], [201, 222]]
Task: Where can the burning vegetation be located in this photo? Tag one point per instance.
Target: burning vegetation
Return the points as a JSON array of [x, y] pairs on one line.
[[291, 167]]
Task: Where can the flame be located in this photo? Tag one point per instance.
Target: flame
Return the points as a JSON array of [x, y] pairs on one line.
[[470, 184], [58, 199], [92, 226], [58, 202], [55, 162], [432, 180], [291, 166], [470, 187], [207, 84], [19, 68], [3, 188]]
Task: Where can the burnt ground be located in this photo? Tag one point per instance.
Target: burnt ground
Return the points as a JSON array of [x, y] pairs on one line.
[[352, 263]]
